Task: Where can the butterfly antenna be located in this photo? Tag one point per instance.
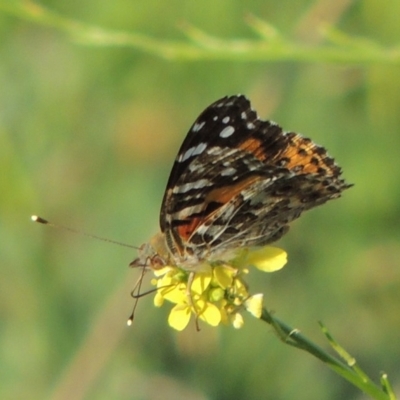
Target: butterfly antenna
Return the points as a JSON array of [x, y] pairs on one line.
[[43, 221]]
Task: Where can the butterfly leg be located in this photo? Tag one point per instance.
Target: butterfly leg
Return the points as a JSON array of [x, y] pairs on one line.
[[136, 295]]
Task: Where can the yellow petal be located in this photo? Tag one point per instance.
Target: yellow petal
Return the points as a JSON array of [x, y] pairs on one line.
[[254, 305], [154, 281], [163, 271], [267, 259], [166, 282], [200, 282], [223, 277], [237, 321], [240, 288], [175, 294], [211, 314], [179, 317], [158, 299]]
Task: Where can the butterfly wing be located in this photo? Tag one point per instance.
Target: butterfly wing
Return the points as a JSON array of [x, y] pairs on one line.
[[238, 181]]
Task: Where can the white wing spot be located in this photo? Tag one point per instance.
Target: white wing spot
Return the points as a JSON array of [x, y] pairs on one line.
[[216, 151], [225, 120], [191, 185], [243, 115], [186, 212], [228, 172], [199, 149], [227, 131], [250, 125], [198, 126], [193, 151], [215, 118], [194, 167]]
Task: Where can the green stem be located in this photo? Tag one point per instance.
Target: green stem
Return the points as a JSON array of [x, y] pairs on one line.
[[270, 46], [294, 338]]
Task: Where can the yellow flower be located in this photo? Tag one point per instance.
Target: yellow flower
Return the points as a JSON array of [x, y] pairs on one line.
[[180, 315], [217, 292]]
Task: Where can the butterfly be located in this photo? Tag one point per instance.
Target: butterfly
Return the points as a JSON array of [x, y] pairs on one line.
[[237, 182]]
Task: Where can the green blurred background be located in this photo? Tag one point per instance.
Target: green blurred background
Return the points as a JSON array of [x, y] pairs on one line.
[[87, 138]]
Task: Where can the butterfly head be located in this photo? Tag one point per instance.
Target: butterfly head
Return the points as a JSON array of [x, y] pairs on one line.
[[153, 254]]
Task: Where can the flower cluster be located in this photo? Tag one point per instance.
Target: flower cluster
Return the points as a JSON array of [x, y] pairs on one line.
[[216, 292]]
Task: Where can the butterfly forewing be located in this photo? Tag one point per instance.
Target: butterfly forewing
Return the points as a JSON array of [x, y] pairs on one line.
[[238, 181]]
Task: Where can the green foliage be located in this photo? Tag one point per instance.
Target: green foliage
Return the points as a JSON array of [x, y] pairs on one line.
[[269, 44], [96, 98]]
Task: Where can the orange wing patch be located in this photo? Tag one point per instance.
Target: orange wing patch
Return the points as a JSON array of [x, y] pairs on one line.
[[224, 194], [255, 147], [221, 195], [302, 153], [186, 230]]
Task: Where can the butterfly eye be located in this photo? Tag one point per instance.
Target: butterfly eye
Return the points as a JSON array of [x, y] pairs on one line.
[[156, 262]]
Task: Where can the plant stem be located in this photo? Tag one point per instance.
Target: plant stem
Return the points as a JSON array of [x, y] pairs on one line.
[[294, 338], [269, 46]]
